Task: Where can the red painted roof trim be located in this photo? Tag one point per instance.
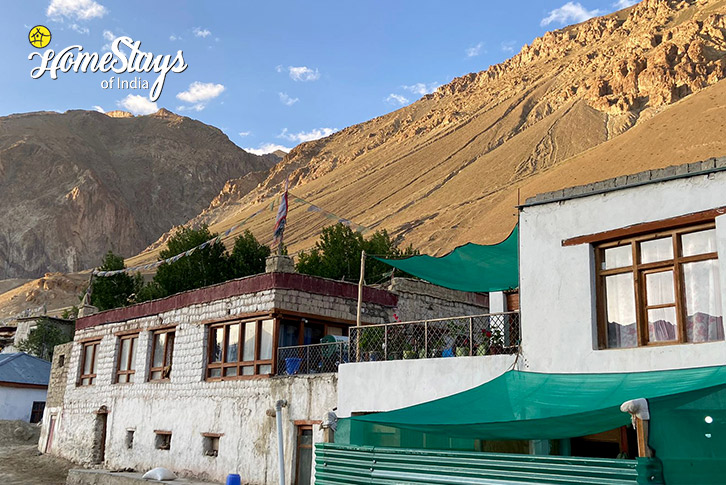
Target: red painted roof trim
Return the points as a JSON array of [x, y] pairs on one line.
[[242, 286]]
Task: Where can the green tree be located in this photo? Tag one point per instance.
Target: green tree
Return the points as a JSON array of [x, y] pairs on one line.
[[336, 255], [113, 291], [206, 266], [248, 256], [43, 338]]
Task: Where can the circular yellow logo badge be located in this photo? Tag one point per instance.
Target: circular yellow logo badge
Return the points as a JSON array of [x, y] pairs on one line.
[[39, 36]]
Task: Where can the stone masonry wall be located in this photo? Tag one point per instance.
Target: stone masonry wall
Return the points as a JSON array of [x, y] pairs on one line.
[[418, 300], [58, 374], [188, 405]]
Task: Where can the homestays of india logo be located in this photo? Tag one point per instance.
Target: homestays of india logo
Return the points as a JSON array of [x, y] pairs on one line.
[[125, 57]]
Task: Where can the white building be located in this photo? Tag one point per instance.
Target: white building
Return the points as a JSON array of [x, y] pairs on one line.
[[623, 275], [23, 386], [190, 382]]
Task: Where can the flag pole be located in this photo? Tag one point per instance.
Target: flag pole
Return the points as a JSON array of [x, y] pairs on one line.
[[360, 285]]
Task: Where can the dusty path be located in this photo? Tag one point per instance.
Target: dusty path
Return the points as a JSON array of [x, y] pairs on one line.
[[20, 462]]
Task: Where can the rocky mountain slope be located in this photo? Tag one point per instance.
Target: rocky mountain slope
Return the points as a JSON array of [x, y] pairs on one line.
[[76, 184], [643, 83]]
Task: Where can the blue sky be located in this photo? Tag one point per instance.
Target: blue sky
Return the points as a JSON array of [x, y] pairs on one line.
[[274, 73]]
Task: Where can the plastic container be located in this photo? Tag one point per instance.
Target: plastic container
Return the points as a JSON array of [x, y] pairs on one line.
[[234, 479], [292, 365]]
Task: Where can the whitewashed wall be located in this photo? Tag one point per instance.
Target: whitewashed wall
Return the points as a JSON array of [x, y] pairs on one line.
[[557, 284], [17, 403]]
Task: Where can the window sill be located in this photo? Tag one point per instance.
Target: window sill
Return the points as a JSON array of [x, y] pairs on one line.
[[238, 378]]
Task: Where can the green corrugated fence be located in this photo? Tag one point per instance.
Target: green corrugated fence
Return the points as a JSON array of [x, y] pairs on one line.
[[338, 464]]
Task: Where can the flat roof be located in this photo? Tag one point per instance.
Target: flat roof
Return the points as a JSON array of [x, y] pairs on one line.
[[238, 287], [646, 177]]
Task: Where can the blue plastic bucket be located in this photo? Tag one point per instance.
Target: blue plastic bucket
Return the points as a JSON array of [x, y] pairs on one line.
[[292, 365], [234, 479]]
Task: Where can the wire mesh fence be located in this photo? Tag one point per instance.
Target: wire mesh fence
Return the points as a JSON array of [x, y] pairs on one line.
[[490, 334], [311, 359]]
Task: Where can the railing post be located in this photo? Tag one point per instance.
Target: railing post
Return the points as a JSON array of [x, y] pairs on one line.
[[340, 355], [385, 342], [471, 336], [307, 359], [426, 339]]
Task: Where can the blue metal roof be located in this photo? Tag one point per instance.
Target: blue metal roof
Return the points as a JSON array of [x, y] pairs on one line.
[[22, 368]]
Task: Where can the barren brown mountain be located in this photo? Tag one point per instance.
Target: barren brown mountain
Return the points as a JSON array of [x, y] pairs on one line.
[[637, 89], [618, 94], [76, 184]]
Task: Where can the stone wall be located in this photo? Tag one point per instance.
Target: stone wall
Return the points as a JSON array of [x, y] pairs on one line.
[[188, 405], [419, 300], [58, 374]]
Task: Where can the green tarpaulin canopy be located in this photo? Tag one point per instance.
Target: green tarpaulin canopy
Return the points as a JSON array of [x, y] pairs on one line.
[[688, 415], [471, 267]]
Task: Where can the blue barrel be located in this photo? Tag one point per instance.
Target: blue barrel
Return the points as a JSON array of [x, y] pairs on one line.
[[234, 479]]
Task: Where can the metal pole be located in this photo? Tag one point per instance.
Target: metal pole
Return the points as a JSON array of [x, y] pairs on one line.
[[385, 342], [280, 446], [360, 285], [426, 340], [471, 336]]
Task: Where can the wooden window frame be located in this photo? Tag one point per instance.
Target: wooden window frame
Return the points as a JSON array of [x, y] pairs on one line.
[[166, 366], [639, 270], [240, 364], [134, 338], [299, 446], [92, 376]]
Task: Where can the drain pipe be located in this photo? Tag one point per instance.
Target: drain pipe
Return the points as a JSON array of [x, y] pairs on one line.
[[280, 446]]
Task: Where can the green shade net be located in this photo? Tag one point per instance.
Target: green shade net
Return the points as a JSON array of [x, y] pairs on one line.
[[534, 406], [471, 267]]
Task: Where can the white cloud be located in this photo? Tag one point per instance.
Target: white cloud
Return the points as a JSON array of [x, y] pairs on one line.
[[307, 136], [79, 29], [508, 46], [267, 148], [474, 51], [138, 105], [279, 68], [109, 37], [421, 88], [75, 9], [200, 92], [173, 37], [397, 99], [620, 4], [287, 100], [569, 13], [303, 73], [245, 133], [199, 32], [98, 108], [194, 107]]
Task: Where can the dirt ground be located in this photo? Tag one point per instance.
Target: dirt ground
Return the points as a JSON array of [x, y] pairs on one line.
[[20, 461]]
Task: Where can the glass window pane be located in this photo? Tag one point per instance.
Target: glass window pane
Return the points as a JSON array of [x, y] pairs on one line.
[[217, 338], [169, 348], [159, 343], [248, 370], [265, 369], [701, 242], [123, 359], [619, 257], [156, 375], [662, 324], [216, 372], [266, 340], [659, 288], [704, 313], [233, 343], [130, 378], [248, 352], [134, 341], [305, 464], [230, 371], [620, 298], [656, 250], [85, 381], [88, 359], [289, 334]]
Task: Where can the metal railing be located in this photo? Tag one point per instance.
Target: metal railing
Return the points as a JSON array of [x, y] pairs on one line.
[[495, 333], [311, 359]]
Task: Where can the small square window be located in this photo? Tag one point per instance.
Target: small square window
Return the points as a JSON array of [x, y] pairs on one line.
[[162, 440], [130, 438], [210, 445], [61, 361]]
